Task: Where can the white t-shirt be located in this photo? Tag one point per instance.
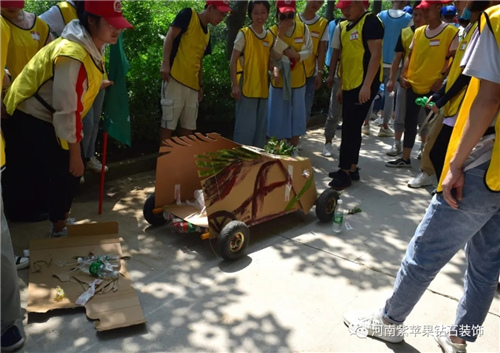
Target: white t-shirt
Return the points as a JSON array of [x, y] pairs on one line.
[[239, 42], [482, 62], [335, 44], [324, 38], [53, 17]]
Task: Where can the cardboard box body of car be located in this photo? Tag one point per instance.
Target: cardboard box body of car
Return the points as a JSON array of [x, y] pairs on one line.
[[57, 282], [242, 186]]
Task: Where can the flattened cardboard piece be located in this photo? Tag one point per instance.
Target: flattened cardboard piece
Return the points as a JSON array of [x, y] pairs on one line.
[[111, 310], [176, 165], [253, 187], [189, 213]]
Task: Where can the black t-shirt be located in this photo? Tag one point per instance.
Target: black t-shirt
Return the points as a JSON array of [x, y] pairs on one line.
[[399, 45], [182, 21]]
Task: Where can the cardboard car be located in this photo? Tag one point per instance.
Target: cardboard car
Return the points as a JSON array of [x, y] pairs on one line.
[[242, 186]]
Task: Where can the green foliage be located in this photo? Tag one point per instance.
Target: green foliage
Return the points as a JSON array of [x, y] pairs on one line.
[[279, 147], [217, 104]]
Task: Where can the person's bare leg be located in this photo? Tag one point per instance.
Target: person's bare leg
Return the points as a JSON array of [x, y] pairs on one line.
[[165, 134], [58, 225], [406, 153], [186, 132], [294, 141]]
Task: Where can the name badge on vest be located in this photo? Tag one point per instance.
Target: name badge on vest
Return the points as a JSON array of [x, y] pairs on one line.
[[35, 35], [434, 43], [314, 34], [266, 43], [463, 46], [299, 40], [354, 35]]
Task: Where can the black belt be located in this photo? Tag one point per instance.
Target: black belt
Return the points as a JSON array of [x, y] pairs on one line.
[[489, 131]]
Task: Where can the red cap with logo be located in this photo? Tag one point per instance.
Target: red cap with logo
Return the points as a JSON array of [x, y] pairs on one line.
[[285, 6], [426, 4], [111, 11], [221, 5], [16, 4], [344, 4]]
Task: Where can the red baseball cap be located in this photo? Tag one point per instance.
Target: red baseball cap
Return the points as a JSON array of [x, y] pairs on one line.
[[344, 4], [16, 4], [111, 11], [426, 4], [221, 5], [286, 6]]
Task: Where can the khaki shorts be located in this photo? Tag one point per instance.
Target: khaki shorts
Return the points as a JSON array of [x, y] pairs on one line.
[[178, 102]]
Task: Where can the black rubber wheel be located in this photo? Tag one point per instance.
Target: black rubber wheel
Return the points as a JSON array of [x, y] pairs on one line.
[[233, 240], [325, 205], [155, 219]]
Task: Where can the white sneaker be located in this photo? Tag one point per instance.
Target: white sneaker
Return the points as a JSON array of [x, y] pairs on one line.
[[327, 150], [447, 346], [421, 180], [395, 150], [378, 122], [383, 132], [366, 129], [372, 324], [21, 262], [94, 165], [300, 146]]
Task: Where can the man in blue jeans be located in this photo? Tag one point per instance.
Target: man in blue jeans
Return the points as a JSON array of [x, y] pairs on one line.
[[467, 213]]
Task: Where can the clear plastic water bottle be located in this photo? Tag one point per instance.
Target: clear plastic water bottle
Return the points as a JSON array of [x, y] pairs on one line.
[[338, 217], [101, 269]]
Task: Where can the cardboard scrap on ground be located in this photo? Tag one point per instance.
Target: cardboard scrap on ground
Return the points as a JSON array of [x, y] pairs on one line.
[[115, 304]]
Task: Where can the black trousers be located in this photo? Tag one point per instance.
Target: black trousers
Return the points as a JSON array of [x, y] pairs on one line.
[[438, 151], [411, 117], [353, 115], [33, 154]]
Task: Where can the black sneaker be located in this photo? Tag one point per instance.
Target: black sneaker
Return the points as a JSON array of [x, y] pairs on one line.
[[12, 339], [399, 163], [354, 175], [341, 180]]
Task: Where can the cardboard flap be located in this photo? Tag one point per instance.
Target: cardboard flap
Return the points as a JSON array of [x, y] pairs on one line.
[[176, 165], [117, 307]]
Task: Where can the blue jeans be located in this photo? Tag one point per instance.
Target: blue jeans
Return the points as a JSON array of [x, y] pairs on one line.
[[440, 235]]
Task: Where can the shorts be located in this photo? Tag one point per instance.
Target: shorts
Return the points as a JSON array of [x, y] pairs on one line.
[[178, 102]]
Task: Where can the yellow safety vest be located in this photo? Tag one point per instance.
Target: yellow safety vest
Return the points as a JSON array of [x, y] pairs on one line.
[[295, 41], [353, 53], [428, 58], [24, 44], [406, 38], [40, 69], [316, 31], [186, 66], [2, 152], [452, 106], [4, 41], [490, 18], [68, 11], [255, 67]]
